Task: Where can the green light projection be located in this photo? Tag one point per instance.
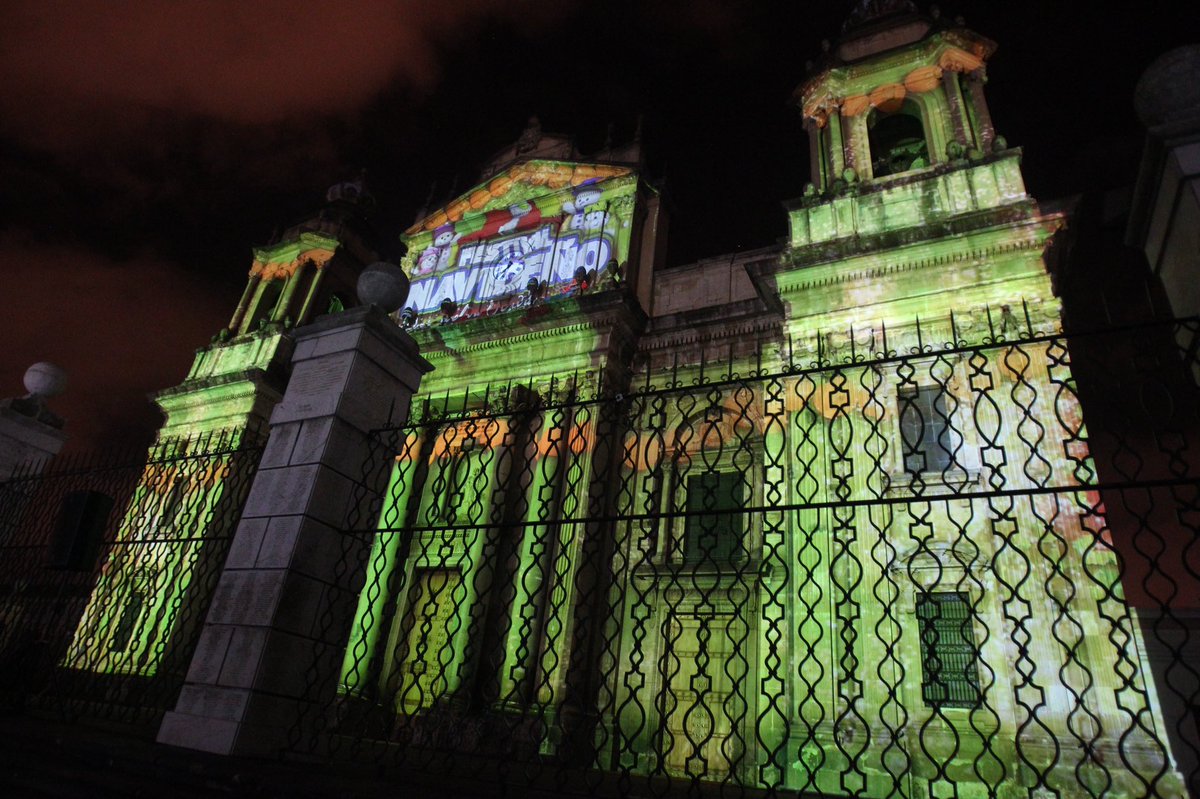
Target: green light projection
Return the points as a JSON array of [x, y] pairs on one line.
[[832, 626], [174, 532], [827, 649]]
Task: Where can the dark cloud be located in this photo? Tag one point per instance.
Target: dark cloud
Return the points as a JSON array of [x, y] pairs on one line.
[[146, 147], [194, 190], [183, 126], [117, 327], [73, 69]]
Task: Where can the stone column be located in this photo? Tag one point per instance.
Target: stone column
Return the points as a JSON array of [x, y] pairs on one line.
[[261, 652], [306, 309], [244, 303], [816, 156], [252, 308], [957, 114], [985, 134], [837, 146], [289, 292]]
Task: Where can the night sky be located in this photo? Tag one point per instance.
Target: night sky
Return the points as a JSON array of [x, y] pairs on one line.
[[145, 147]]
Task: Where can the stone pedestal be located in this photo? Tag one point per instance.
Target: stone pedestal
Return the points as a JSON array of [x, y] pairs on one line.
[[264, 646], [26, 442], [1168, 203]]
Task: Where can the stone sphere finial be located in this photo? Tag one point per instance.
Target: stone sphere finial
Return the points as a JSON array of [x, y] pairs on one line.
[[383, 284], [1169, 89], [45, 380]]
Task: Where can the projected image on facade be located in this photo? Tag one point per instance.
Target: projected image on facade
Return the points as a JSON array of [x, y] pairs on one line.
[[543, 230]]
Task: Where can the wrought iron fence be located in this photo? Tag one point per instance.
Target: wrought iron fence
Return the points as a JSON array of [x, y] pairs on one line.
[[839, 571], [106, 571]]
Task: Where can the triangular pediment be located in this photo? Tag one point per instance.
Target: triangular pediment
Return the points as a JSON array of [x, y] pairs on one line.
[[540, 230], [519, 184]]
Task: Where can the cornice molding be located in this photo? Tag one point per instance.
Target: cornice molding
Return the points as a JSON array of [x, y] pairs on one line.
[[849, 248], [667, 339], [958, 256]]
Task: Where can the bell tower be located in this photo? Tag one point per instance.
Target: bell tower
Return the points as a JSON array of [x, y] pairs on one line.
[[308, 270], [916, 208], [914, 247], [899, 93]]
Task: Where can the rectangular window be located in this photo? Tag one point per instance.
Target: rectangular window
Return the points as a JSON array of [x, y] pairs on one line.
[[712, 536], [948, 654], [428, 662], [925, 429], [456, 473], [127, 623]]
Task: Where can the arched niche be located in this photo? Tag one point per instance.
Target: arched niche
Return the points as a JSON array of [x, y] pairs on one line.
[[897, 138]]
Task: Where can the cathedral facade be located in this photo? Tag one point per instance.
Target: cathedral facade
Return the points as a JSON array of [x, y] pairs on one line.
[[817, 516], [825, 559]]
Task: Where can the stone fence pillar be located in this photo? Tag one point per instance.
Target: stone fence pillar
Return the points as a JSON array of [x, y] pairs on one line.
[[30, 435], [249, 679]]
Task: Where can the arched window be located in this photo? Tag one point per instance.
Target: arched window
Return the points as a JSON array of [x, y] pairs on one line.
[[266, 305], [897, 140], [715, 471]]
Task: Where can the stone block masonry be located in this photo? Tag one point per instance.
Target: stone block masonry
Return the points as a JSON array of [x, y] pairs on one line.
[[250, 679]]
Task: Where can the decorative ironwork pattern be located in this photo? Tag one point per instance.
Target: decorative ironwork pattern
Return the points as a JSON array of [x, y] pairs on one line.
[[875, 573], [106, 572]]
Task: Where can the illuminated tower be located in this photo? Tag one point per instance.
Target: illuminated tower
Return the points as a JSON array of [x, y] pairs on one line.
[[309, 270], [916, 235], [915, 205], [177, 527]]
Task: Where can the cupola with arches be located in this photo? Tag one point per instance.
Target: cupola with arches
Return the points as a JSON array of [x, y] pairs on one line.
[[900, 92]]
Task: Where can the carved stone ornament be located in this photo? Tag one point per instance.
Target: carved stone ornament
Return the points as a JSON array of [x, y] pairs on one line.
[[272, 270], [530, 136], [855, 104], [956, 60], [923, 79]]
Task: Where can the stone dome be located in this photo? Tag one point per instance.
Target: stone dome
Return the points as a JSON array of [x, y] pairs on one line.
[[44, 379], [383, 284], [1169, 89]]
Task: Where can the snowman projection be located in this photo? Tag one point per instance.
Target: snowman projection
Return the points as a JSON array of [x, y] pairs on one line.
[[582, 216], [436, 256], [523, 215], [503, 249]]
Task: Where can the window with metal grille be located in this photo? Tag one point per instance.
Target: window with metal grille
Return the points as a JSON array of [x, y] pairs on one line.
[[948, 654], [127, 622], [924, 429], [456, 472], [710, 535]]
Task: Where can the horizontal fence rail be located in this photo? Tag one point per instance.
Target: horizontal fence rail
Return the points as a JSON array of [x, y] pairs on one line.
[[964, 571], [106, 572]]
